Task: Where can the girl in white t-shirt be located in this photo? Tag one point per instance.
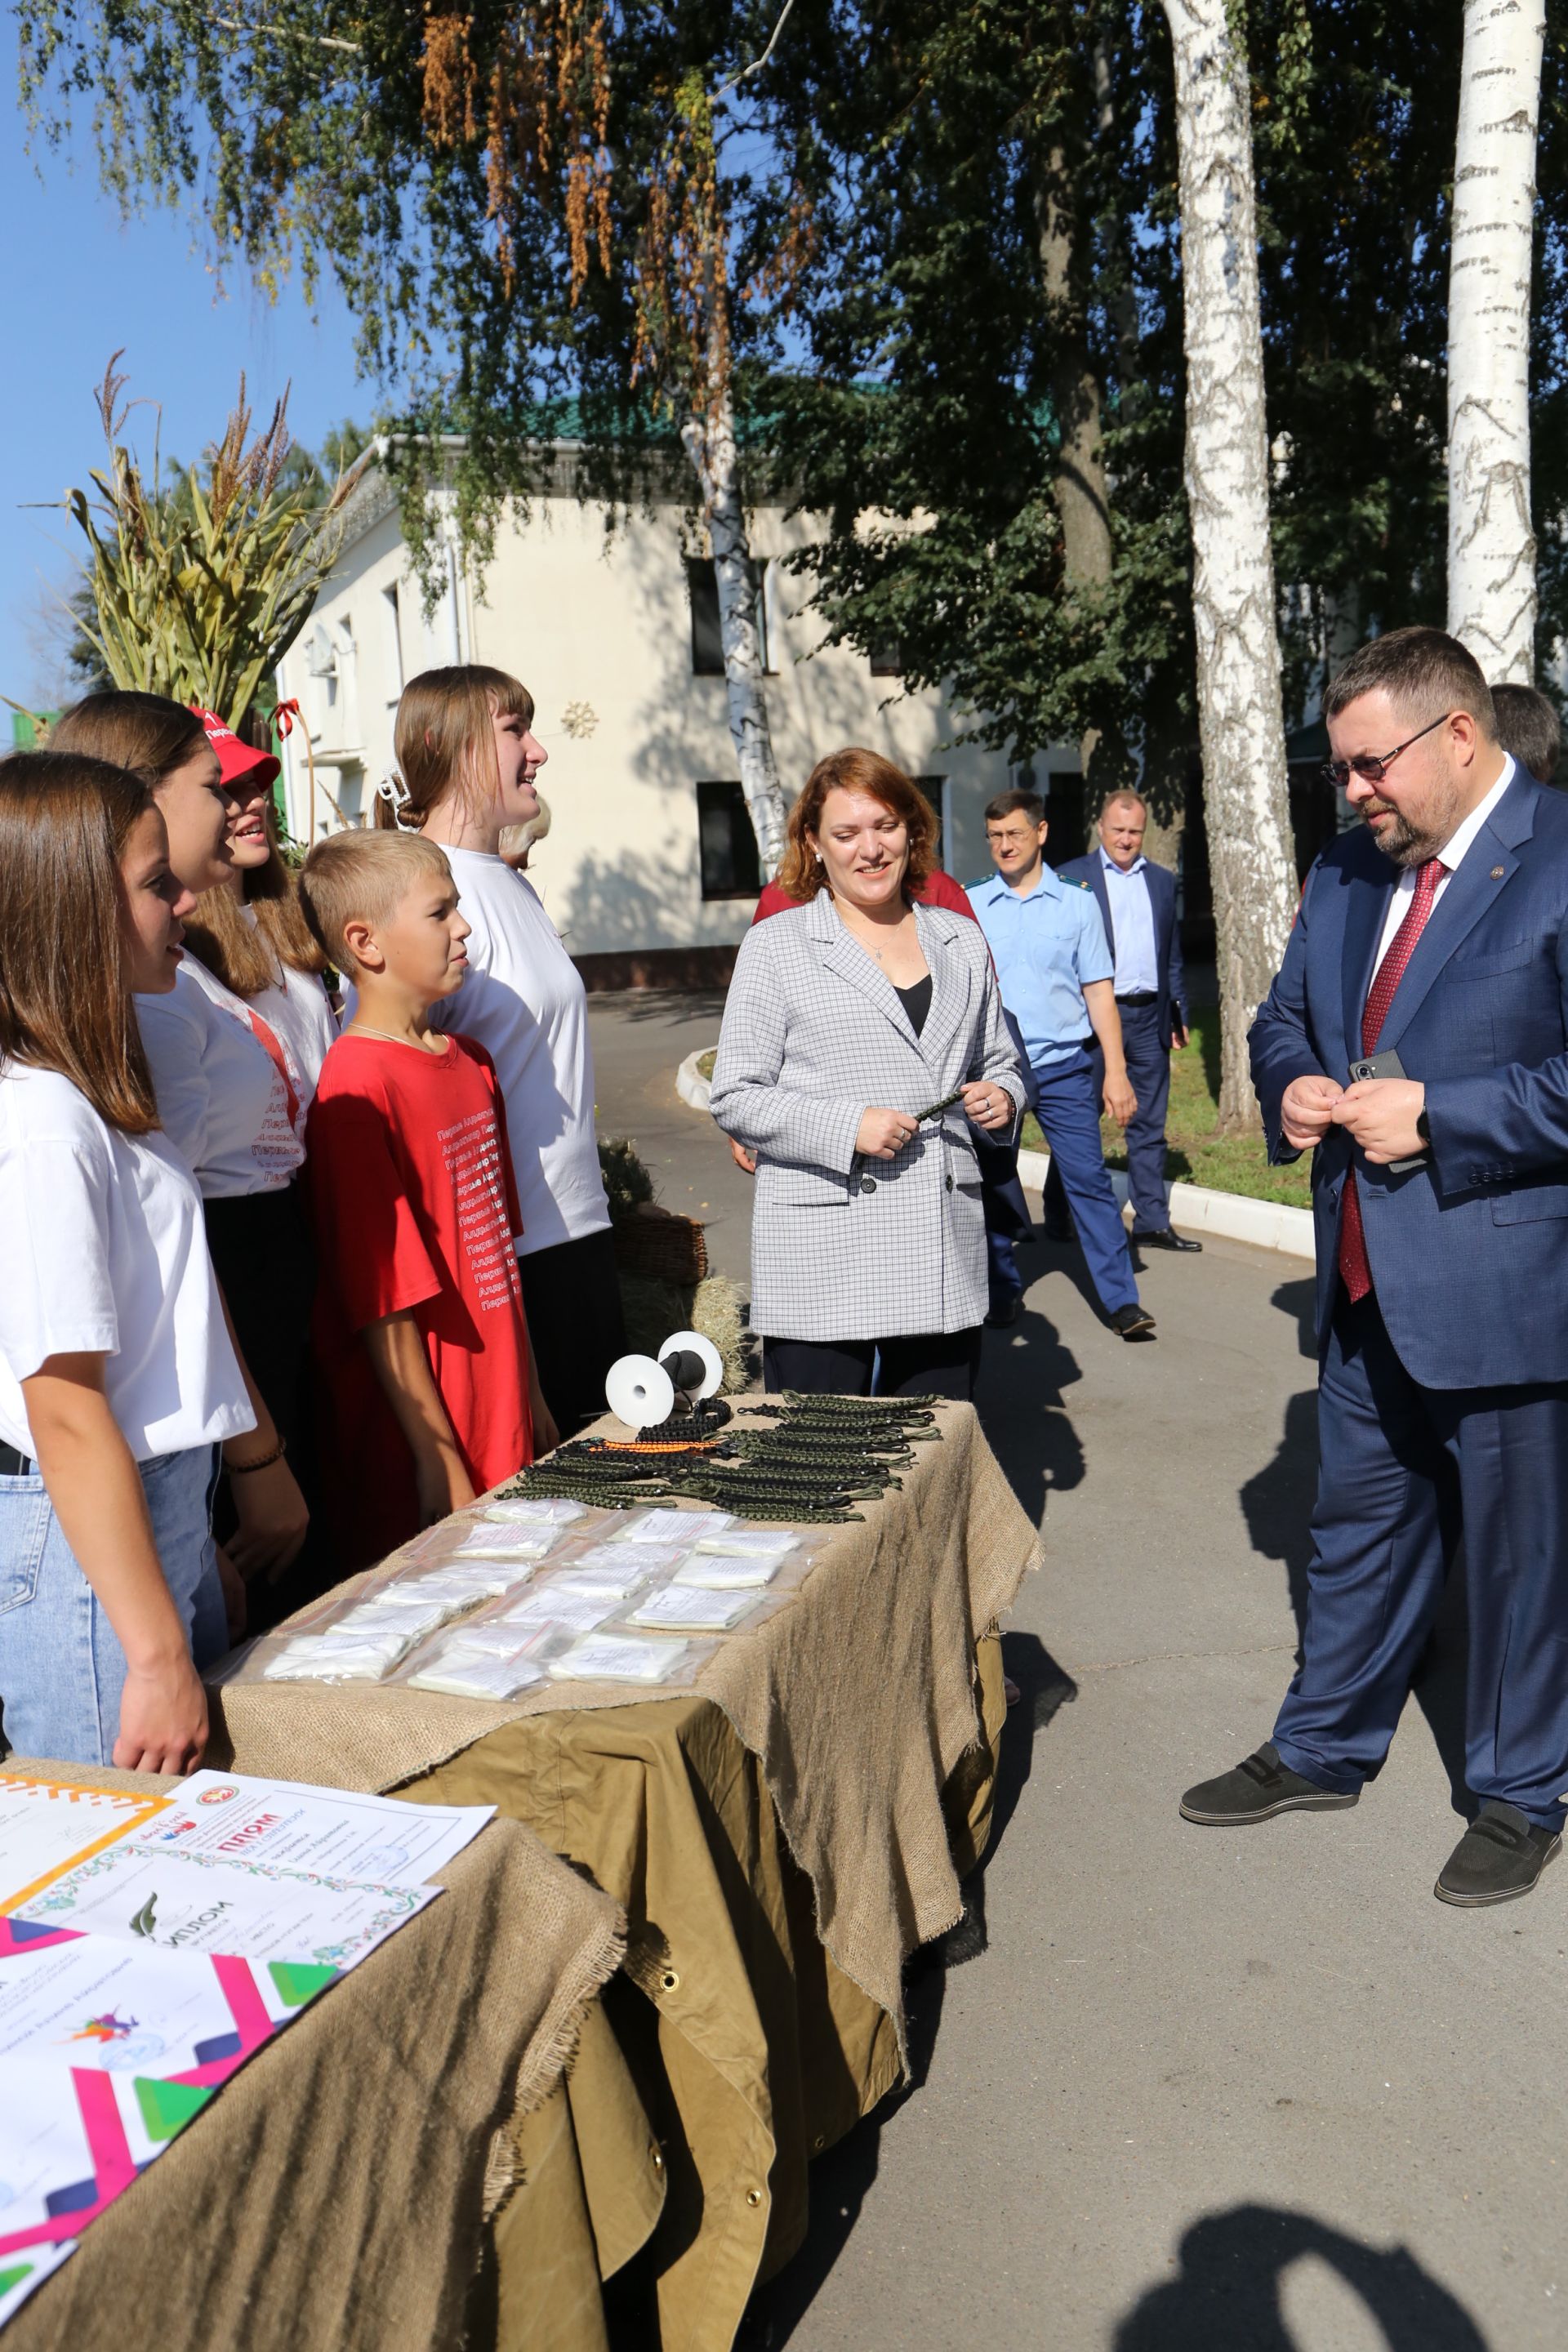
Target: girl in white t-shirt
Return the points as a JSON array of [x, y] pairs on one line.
[[118, 1383], [231, 1098], [468, 758]]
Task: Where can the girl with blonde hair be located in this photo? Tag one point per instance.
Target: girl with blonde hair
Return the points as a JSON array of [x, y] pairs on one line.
[[468, 758]]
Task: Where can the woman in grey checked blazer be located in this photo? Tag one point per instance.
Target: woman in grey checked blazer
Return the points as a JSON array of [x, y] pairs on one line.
[[849, 1017]]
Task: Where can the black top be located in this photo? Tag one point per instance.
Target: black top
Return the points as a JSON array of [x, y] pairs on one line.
[[916, 1001]]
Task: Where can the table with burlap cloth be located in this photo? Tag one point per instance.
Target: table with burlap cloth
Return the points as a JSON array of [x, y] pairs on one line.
[[782, 1838], [397, 2169]]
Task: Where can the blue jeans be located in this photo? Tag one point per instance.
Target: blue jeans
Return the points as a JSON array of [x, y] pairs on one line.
[[1068, 1107], [1149, 1071], [62, 1666]]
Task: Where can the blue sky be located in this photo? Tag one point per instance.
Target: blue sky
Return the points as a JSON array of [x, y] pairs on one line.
[[77, 285]]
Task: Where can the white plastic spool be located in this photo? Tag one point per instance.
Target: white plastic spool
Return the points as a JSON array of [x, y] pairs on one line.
[[640, 1392], [695, 1343]]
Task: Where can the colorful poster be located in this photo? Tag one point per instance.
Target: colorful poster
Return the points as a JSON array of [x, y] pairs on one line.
[[166, 1900], [20, 2273], [152, 1944], [106, 2052], [48, 1826], [334, 1830]]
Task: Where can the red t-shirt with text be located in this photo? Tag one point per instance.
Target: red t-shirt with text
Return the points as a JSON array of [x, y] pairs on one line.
[[414, 1208]]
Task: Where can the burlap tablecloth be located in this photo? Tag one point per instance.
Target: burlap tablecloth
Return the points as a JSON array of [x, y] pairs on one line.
[[857, 1699], [751, 2051], [332, 2197]]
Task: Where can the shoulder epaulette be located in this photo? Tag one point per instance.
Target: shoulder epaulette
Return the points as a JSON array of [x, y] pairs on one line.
[[1082, 883]]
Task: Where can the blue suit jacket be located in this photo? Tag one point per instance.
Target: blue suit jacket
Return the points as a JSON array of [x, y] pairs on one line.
[[1469, 1251], [1173, 978]]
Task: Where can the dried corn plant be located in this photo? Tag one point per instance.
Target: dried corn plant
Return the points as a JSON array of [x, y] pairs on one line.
[[199, 586]]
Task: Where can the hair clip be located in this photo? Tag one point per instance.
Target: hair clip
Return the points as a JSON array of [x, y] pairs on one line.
[[396, 794]]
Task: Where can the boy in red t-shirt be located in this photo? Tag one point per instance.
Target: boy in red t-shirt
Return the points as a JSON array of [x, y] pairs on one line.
[[429, 1394]]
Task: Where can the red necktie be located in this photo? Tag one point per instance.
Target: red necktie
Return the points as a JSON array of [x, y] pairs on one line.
[[1355, 1270]]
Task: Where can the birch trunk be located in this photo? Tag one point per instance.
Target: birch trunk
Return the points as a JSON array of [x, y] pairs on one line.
[[1241, 720], [708, 439], [1491, 547]]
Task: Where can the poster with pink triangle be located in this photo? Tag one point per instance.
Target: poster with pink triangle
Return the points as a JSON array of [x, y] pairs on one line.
[[109, 2052]]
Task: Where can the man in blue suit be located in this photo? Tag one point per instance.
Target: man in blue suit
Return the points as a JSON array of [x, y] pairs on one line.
[[1138, 906], [1416, 1040]]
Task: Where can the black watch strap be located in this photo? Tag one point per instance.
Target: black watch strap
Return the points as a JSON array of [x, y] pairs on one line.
[[1422, 1127]]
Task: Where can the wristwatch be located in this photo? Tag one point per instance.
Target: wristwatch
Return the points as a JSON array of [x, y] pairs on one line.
[[1422, 1127]]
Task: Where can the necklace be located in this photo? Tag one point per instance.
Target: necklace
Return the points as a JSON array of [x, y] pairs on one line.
[[363, 1029]]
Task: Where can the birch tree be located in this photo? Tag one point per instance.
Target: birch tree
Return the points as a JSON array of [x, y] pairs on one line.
[[1240, 715], [1491, 541]]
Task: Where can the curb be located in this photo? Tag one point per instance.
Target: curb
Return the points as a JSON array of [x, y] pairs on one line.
[[1265, 1225]]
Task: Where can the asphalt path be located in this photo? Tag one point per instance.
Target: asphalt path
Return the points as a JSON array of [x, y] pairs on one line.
[[1201, 2091]]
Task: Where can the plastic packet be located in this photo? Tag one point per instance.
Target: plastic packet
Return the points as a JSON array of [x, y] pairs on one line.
[[730, 1572], [605, 1583], [651, 1559], [367, 1620], [606, 1657], [334, 1657], [535, 1510], [667, 1526], [574, 1613], [465, 1584], [462, 1672], [484, 1539], [755, 1543], [694, 1609]]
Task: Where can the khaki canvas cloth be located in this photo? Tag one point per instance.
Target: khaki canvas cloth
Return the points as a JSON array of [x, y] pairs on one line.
[[332, 2197], [752, 2052], [857, 1699]]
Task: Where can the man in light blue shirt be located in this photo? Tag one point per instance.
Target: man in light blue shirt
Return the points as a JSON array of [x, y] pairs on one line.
[[1056, 973]]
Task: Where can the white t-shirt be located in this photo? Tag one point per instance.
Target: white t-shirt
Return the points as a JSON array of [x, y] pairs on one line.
[[524, 1002], [106, 1254], [223, 1100], [297, 1009]]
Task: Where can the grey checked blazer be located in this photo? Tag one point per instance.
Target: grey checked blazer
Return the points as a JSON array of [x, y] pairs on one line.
[[814, 1035]]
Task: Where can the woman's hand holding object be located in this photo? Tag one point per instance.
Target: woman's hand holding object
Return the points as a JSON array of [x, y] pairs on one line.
[[882, 1134], [988, 1106]]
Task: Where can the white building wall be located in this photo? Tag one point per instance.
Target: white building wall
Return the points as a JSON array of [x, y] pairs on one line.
[[596, 624]]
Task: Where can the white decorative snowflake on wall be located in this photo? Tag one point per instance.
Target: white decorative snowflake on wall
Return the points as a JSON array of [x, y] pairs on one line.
[[579, 720]]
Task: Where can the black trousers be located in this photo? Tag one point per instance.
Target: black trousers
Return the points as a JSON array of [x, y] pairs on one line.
[[265, 1259], [573, 1299], [929, 1363]]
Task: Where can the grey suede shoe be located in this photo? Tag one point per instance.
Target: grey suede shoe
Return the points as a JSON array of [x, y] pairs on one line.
[[1259, 1788], [1500, 1855]]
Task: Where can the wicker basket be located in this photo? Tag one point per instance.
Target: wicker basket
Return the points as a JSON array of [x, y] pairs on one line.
[[661, 1243]]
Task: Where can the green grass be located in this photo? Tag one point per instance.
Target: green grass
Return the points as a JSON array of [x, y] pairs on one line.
[[1196, 1153]]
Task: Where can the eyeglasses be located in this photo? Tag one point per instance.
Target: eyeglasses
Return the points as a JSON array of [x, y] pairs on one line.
[[1367, 766]]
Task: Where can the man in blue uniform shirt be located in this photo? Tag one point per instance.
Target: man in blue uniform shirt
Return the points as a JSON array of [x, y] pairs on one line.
[[1055, 971], [1137, 902]]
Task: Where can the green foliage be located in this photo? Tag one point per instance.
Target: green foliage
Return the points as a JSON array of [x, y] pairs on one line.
[[875, 196], [197, 590]]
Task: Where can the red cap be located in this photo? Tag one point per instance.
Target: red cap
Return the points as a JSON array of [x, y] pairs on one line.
[[235, 760]]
